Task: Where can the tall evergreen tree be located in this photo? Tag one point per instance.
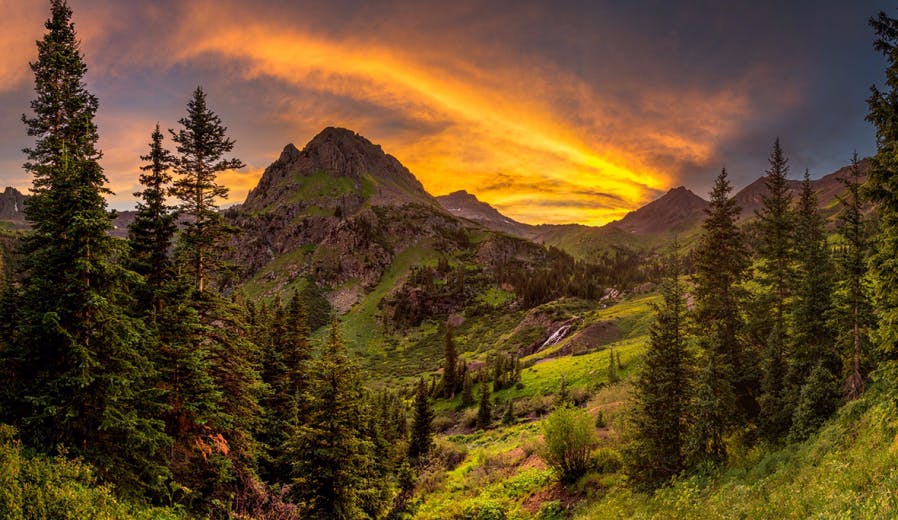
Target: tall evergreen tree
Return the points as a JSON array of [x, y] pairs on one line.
[[812, 351], [332, 453], [662, 392], [812, 336], [721, 261], [882, 189], [613, 377], [201, 144], [711, 405], [286, 358], [150, 234], [82, 374], [191, 396], [852, 315], [485, 409], [450, 366], [422, 434], [776, 275]]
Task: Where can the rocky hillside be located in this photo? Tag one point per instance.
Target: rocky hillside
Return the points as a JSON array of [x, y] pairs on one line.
[[338, 213], [466, 205]]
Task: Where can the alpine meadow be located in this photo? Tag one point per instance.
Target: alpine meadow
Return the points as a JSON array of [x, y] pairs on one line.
[[190, 330]]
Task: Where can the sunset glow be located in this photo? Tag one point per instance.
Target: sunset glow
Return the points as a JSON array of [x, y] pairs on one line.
[[541, 140]]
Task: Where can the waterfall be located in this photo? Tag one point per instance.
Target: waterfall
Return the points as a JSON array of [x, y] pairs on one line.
[[556, 336]]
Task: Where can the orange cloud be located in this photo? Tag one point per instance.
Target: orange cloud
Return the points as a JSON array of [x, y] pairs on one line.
[[533, 139], [490, 121]]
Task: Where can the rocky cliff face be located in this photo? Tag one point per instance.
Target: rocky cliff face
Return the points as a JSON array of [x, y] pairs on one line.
[[12, 206], [337, 211]]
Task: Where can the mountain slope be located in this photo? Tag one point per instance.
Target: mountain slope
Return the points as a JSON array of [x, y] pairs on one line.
[[340, 214], [677, 210], [828, 187], [466, 205]]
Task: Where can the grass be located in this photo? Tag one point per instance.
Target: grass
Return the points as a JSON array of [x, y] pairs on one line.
[[848, 470]]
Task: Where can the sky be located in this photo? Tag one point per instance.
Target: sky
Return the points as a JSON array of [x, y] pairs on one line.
[[552, 111]]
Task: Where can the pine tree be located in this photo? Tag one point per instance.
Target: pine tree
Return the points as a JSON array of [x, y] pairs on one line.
[[882, 189], [812, 346], [612, 368], [508, 417], [564, 395], [662, 393], [332, 454], [721, 261], [150, 234], [82, 376], [422, 434], [775, 258], [485, 410], [201, 144], [450, 367], [467, 391], [852, 314], [711, 407], [286, 358]]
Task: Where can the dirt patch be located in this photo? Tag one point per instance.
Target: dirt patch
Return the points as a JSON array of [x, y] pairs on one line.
[[548, 494]]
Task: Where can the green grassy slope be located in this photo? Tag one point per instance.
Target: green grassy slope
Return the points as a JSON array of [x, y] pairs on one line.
[[848, 470]]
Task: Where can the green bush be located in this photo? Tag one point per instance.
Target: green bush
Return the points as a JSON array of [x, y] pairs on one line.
[[605, 460], [58, 488], [483, 510], [569, 437], [551, 511]]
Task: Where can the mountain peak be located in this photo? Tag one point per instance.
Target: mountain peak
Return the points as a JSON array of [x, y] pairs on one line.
[[12, 205], [677, 209], [338, 167], [466, 205], [289, 154]]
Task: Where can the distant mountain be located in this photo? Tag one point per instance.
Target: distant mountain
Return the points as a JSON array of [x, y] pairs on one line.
[[12, 213], [828, 187], [466, 205], [677, 210], [338, 168]]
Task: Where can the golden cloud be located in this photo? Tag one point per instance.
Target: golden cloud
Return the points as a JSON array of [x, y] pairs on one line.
[[488, 120]]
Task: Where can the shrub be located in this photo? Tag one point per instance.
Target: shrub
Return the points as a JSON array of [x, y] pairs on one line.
[[483, 510], [569, 437], [605, 460], [442, 423], [551, 511]]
